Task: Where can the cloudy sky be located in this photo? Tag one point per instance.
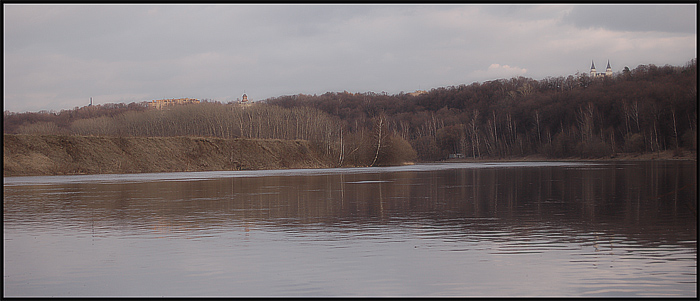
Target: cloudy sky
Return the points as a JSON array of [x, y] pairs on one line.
[[58, 56]]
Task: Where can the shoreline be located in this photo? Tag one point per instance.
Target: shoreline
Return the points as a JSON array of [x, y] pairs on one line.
[[667, 155], [636, 158], [48, 155]]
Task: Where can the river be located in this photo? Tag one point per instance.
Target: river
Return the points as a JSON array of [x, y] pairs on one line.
[[548, 229]]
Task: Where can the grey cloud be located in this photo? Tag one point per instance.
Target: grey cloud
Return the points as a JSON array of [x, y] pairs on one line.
[[672, 18], [120, 32], [140, 52]]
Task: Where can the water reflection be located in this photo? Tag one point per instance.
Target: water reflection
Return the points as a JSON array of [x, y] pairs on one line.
[[607, 220]]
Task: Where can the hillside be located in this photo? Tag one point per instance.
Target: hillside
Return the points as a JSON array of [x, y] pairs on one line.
[[25, 155], [647, 110]]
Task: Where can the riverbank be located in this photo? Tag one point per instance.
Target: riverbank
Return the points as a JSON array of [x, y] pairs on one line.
[[31, 155], [663, 155], [34, 155]]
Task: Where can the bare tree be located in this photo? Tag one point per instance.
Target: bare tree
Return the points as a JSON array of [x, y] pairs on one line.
[[380, 127]]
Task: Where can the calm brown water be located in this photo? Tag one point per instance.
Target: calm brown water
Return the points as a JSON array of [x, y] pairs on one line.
[[502, 229]]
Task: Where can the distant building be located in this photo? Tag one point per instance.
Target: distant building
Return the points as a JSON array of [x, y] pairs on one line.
[[418, 92], [595, 74], [244, 101], [163, 103]]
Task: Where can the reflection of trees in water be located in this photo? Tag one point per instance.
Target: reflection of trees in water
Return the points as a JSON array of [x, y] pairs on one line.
[[645, 199]]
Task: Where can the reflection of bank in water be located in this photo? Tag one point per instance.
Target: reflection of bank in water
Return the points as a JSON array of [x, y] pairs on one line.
[[692, 207], [162, 227], [246, 228]]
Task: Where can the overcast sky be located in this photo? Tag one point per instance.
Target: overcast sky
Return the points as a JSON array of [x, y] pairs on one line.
[[58, 56]]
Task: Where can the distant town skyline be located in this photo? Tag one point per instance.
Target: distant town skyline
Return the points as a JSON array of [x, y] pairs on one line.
[[59, 56]]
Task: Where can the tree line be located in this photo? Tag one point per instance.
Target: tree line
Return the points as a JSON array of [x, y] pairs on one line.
[[371, 145], [647, 109]]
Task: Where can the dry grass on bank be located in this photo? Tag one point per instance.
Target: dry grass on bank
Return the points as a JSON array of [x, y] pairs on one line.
[[25, 155]]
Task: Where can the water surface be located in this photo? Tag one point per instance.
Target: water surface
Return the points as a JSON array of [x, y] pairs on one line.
[[472, 229]]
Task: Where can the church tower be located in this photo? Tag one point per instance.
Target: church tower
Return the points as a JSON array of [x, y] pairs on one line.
[[595, 74]]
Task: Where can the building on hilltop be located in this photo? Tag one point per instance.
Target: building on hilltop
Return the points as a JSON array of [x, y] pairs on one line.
[[608, 71], [244, 100], [418, 92], [162, 103]]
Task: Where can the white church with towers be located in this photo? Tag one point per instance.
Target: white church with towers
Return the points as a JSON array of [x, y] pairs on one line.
[[608, 71]]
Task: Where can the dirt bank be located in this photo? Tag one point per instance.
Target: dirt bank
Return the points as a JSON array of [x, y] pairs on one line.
[[25, 155]]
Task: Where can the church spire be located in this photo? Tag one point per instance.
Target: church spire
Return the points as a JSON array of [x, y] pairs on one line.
[[592, 66]]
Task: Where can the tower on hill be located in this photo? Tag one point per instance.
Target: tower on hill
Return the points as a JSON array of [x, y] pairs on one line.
[[595, 74]]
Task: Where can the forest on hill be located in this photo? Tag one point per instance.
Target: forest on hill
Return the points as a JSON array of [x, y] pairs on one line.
[[646, 109]]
